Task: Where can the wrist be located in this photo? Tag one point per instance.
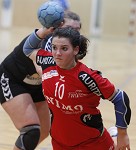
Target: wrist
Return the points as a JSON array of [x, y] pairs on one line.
[[122, 130], [41, 33]]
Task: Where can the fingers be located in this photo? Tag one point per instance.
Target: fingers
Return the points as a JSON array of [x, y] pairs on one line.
[[123, 148]]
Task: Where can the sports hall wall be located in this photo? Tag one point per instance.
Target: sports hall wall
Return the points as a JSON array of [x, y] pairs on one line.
[[114, 16]]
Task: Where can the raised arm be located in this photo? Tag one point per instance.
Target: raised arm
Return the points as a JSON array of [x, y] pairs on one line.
[[31, 44]]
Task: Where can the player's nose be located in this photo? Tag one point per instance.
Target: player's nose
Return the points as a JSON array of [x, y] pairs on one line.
[[58, 52]]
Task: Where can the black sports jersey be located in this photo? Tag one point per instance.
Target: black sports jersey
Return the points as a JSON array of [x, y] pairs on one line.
[[46, 43], [18, 75], [18, 66]]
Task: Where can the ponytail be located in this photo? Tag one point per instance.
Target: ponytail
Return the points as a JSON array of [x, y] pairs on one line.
[[82, 47]]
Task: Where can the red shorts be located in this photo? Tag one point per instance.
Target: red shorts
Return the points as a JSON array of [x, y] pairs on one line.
[[104, 142]]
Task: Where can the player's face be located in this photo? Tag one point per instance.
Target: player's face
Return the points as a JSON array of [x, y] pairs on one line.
[[72, 23], [64, 53]]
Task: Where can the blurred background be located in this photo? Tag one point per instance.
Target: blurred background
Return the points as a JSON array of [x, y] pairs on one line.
[[105, 18], [111, 28]]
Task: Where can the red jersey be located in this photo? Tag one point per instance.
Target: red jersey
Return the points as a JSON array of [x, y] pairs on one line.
[[73, 96]]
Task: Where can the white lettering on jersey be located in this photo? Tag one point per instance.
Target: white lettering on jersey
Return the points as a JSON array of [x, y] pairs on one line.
[[76, 94], [45, 60], [90, 83], [67, 109], [50, 74], [87, 117]]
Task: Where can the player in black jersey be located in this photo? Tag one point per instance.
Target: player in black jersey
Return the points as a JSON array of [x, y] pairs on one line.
[[21, 93]]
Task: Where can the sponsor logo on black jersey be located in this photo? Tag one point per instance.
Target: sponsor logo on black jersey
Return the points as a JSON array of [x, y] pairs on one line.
[[90, 83], [49, 74]]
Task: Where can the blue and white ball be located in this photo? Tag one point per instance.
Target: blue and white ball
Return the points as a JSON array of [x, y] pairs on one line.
[[50, 14]]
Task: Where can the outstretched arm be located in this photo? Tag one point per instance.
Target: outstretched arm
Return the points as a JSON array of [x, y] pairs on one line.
[[31, 44]]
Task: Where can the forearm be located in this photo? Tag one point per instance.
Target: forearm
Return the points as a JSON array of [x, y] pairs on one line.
[[33, 41], [31, 44], [123, 139], [122, 131], [122, 109]]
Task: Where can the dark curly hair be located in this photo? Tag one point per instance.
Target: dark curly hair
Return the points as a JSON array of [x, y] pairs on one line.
[[75, 39], [72, 15]]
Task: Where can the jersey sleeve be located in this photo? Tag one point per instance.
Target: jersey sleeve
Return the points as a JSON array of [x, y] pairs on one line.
[[98, 85], [44, 59], [46, 43], [106, 87]]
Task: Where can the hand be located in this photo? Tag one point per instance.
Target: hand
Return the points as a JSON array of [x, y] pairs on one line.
[[60, 25], [122, 140], [43, 32]]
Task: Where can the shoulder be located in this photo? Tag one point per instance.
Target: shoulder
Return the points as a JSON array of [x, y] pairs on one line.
[[44, 58], [44, 53], [94, 81], [90, 71]]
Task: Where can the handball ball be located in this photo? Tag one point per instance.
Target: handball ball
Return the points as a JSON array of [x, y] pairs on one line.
[[50, 14]]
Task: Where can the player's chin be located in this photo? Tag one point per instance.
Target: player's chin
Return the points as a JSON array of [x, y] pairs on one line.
[[60, 64]]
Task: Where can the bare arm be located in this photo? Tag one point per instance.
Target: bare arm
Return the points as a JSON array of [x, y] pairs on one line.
[[123, 139]]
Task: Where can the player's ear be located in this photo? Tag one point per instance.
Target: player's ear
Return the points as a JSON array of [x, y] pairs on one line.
[[76, 50], [61, 24]]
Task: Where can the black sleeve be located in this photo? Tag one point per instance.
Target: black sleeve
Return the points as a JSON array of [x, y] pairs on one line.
[[43, 43]]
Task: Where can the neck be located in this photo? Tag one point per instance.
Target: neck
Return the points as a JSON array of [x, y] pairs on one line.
[[70, 66]]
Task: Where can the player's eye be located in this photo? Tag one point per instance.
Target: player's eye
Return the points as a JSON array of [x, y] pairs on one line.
[[54, 47], [64, 48]]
